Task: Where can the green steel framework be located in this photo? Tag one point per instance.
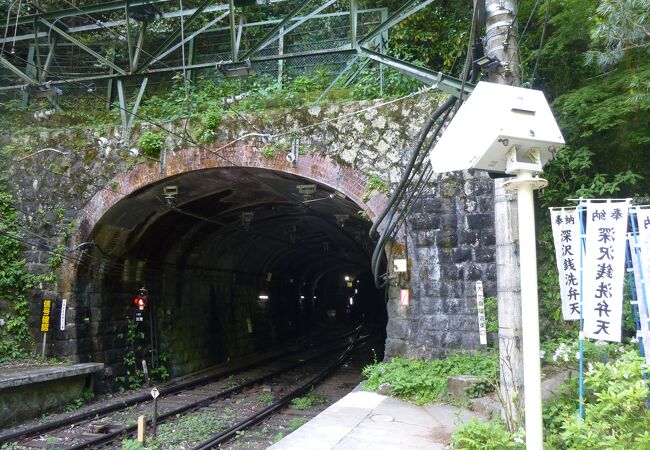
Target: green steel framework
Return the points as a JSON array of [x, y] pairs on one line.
[[362, 49]]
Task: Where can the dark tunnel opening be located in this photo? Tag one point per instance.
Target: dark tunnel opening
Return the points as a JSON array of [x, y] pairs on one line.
[[234, 261]]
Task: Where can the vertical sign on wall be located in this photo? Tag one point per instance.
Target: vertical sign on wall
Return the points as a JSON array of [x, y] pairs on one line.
[[404, 297], [604, 269], [566, 238], [45, 322], [45, 318], [64, 304], [480, 307]]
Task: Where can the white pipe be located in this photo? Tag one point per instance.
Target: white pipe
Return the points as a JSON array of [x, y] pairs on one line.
[[530, 313]]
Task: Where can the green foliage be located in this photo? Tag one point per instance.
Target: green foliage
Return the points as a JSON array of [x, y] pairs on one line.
[[491, 314], [15, 338], [375, 184], [135, 347], [616, 413], [564, 351], [151, 144], [183, 432], [308, 401], [187, 431], [437, 36], [621, 27], [493, 435], [267, 398], [85, 397], [396, 84], [296, 423], [422, 381], [131, 444]]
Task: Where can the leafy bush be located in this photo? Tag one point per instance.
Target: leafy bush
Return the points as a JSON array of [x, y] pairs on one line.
[[616, 413], [476, 435], [308, 401], [616, 410], [151, 144], [426, 381]]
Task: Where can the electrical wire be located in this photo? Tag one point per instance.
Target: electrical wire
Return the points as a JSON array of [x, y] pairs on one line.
[[185, 139], [416, 154], [541, 42]]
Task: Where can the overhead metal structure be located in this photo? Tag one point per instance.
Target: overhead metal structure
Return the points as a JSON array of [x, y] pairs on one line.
[[130, 48]]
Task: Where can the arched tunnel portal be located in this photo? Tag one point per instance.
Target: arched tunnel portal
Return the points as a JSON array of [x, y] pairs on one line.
[[235, 260]]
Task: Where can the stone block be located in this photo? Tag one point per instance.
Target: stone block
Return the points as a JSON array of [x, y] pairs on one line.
[[470, 238], [434, 322], [484, 255], [464, 387], [474, 272], [463, 322], [446, 239], [453, 306], [480, 221], [432, 306], [461, 255], [397, 329], [393, 348]]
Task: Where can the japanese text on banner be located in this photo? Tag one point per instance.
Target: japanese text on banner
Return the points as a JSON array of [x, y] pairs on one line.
[[566, 238], [604, 269]]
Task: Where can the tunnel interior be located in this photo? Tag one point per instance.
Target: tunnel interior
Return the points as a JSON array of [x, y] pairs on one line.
[[234, 261]]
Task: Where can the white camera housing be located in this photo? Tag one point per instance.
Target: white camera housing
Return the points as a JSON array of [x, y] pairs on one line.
[[496, 120]]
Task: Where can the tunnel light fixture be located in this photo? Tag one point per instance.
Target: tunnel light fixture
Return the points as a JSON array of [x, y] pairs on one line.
[[246, 219], [302, 297], [347, 278], [341, 219], [306, 190], [263, 297], [337, 194], [170, 192], [351, 301]]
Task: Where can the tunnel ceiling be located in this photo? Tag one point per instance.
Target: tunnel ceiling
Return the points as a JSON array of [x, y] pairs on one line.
[[209, 224]]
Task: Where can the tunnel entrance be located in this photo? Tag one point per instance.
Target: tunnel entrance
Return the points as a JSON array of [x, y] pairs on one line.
[[235, 260]]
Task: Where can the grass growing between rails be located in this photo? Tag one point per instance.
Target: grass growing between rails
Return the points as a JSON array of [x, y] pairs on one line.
[[184, 432], [308, 401], [424, 382]]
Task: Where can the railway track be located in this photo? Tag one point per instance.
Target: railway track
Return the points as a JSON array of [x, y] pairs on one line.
[[231, 403]]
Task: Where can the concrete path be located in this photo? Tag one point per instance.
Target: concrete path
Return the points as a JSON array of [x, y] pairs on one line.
[[366, 420]]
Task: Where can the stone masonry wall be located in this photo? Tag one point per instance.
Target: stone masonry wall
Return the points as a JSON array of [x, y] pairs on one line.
[[449, 237]]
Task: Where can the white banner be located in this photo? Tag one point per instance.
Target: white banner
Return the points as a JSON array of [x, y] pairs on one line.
[[640, 254], [566, 237], [604, 269]]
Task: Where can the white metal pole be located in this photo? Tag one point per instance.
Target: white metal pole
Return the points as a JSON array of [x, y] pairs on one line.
[[525, 184]]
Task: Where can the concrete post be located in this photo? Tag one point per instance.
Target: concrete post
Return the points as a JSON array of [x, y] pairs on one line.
[[501, 42]]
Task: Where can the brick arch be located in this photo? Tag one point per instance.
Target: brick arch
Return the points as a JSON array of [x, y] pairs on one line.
[[312, 166]]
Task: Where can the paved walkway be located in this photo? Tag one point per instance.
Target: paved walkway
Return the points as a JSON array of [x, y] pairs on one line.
[[366, 420]]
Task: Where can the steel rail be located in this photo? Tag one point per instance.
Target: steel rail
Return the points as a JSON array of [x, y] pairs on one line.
[[109, 437], [253, 419], [171, 388]]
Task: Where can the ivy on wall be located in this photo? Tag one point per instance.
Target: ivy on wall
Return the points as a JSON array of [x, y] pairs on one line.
[[15, 338]]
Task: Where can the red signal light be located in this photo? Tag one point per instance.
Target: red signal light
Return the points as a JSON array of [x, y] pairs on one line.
[[140, 302]]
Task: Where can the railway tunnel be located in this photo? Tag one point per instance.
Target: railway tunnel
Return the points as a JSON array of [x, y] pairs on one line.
[[234, 260]]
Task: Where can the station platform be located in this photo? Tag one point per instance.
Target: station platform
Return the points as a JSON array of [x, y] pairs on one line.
[[31, 390], [366, 420]]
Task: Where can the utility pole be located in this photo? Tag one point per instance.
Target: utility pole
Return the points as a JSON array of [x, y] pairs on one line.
[[501, 43]]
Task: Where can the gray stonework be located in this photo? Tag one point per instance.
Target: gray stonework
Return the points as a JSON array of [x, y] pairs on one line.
[[449, 236]]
